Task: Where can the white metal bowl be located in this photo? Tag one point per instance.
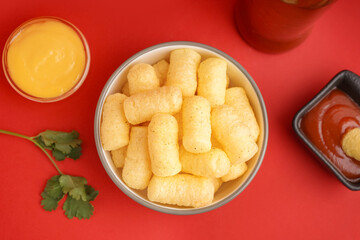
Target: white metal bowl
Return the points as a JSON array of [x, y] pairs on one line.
[[238, 77]]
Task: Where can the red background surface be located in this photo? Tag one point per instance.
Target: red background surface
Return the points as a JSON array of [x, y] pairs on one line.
[[291, 197]]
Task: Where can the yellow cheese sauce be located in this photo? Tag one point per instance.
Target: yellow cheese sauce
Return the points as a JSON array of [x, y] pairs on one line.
[[46, 59]]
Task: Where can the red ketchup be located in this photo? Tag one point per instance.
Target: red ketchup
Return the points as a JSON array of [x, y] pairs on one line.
[[325, 125]]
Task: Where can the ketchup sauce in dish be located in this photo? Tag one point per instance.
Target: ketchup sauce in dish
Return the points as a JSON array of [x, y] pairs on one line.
[[326, 123]]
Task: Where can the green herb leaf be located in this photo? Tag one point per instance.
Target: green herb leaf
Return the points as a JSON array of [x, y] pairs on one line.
[[62, 144], [75, 153], [75, 186], [77, 202], [59, 156], [39, 140], [90, 193], [48, 202], [53, 188], [78, 208], [52, 194]]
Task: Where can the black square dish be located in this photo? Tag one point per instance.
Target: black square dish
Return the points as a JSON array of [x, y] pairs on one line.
[[349, 83]]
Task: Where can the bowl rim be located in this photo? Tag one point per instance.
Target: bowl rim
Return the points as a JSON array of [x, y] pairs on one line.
[[136, 198], [338, 79], [14, 34]]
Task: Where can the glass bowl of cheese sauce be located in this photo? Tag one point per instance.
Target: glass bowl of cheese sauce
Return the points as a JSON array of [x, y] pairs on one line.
[[46, 59]]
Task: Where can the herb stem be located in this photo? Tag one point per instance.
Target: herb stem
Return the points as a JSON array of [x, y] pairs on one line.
[[33, 141], [48, 155], [15, 134]]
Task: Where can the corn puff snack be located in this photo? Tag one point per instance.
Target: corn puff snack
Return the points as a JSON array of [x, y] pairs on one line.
[[212, 164], [137, 170], [182, 190], [161, 70], [232, 134], [236, 97], [196, 124], [351, 143], [180, 128], [217, 182], [212, 80], [236, 170], [183, 70], [114, 129], [142, 77], [141, 107], [215, 143], [118, 157], [125, 89], [163, 145]]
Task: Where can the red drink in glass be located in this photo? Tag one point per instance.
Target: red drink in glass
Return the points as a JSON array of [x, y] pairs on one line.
[[277, 25]]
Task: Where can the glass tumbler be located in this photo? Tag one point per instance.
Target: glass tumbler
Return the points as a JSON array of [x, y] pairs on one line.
[[275, 26]]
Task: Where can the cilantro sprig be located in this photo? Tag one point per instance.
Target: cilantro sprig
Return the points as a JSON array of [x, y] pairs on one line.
[[77, 203], [62, 144], [78, 193]]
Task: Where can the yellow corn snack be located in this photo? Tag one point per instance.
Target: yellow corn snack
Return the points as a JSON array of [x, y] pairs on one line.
[[137, 170], [180, 128], [161, 69], [236, 97], [118, 157], [183, 70], [351, 143], [236, 170], [232, 134], [212, 80], [212, 164], [215, 143], [114, 129], [163, 145], [125, 89], [182, 190], [217, 182], [142, 77], [196, 124], [227, 81], [141, 107]]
